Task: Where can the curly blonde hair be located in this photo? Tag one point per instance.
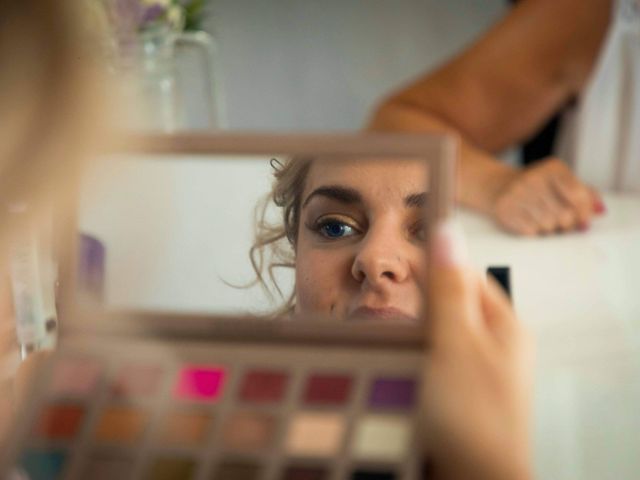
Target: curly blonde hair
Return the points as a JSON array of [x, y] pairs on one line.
[[274, 244]]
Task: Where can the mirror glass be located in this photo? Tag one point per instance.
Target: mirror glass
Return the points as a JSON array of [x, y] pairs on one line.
[[203, 234]]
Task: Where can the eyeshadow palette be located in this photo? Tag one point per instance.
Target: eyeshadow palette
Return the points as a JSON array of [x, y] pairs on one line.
[[161, 397], [292, 405]]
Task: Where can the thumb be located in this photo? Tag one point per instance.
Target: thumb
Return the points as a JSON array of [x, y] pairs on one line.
[[453, 302], [26, 373]]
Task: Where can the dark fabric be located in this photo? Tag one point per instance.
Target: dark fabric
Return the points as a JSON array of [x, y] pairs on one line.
[[541, 144]]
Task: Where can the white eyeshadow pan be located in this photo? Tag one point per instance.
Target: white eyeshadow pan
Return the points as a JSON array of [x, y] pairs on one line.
[[382, 437]]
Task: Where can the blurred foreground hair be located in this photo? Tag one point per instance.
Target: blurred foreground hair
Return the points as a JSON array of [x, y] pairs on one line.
[[50, 100]]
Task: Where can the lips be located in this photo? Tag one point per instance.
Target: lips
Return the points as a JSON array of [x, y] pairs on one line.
[[386, 313]]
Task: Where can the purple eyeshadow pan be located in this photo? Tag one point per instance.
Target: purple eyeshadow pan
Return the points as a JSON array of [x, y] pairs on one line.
[[392, 392]]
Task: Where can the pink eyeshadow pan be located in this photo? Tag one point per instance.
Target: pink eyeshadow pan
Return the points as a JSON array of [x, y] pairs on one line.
[[200, 383], [137, 380], [77, 376]]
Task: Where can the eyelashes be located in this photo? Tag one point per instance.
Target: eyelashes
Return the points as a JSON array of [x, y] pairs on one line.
[[418, 231], [334, 228], [338, 227]]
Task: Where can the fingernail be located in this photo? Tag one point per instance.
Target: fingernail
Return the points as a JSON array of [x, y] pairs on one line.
[[448, 245], [600, 208]]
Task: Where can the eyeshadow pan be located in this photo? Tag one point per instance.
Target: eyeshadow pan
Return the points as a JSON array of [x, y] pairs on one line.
[[60, 422], [249, 430], [263, 386], [200, 383], [137, 380], [121, 424], [185, 428], [382, 437], [305, 473], [315, 434], [171, 468], [236, 470], [108, 467], [388, 392], [43, 464], [372, 475], [324, 389], [75, 376]]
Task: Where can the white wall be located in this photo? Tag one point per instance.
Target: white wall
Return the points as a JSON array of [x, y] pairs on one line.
[[177, 231], [308, 64]]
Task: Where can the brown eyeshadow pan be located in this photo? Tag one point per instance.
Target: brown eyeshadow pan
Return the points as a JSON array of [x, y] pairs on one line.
[[305, 473], [185, 428], [171, 468], [248, 430], [237, 470], [108, 467], [121, 424]]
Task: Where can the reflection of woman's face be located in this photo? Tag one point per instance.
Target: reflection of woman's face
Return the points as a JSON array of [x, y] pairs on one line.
[[360, 251]]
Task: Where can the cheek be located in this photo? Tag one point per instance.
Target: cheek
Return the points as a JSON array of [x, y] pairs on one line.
[[321, 277]]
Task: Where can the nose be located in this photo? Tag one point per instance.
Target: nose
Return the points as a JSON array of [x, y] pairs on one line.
[[381, 258]]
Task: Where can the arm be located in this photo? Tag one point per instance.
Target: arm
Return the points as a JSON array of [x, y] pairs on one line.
[[501, 89]]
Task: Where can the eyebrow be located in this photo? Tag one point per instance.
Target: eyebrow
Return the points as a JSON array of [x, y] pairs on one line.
[[416, 200], [351, 196], [335, 192]]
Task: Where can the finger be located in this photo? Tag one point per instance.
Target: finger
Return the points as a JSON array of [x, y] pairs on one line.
[[6, 302], [453, 305], [575, 196], [520, 223], [562, 218], [6, 411], [543, 216], [567, 219], [498, 312], [598, 203], [7, 332], [26, 373], [537, 199], [532, 201], [514, 219]]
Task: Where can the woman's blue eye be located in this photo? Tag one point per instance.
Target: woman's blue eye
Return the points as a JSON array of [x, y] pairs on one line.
[[334, 229], [420, 233]]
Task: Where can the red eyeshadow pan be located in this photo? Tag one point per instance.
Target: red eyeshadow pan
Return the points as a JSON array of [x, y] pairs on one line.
[[263, 386], [59, 421], [327, 389]]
